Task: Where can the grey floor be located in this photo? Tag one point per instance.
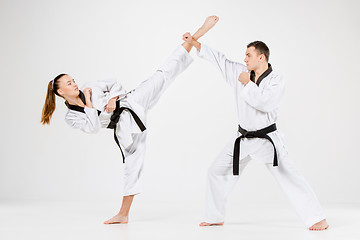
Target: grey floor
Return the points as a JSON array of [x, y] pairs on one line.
[[83, 220]]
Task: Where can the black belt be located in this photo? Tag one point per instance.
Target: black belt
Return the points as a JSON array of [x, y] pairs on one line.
[[262, 133], [115, 117]]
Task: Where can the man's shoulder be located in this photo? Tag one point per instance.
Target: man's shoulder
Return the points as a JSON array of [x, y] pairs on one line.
[[274, 74]]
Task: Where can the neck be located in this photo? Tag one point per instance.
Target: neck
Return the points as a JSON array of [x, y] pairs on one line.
[[261, 70], [75, 101]]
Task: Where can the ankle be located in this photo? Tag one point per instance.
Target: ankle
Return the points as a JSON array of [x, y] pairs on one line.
[[123, 214], [199, 33]]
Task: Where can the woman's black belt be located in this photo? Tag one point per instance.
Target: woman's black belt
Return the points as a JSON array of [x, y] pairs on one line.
[[115, 117]]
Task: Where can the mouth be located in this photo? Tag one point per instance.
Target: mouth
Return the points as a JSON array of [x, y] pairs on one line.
[[76, 89]]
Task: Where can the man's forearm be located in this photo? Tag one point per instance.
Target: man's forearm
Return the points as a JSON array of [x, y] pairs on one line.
[[197, 45]]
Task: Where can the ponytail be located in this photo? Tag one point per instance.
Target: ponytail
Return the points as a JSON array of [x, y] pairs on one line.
[[50, 104]]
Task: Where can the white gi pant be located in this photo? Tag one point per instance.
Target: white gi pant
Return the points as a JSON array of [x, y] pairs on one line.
[[147, 94], [221, 181]]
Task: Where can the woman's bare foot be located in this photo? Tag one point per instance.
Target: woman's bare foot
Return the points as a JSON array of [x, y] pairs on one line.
[[191, 41], [322, 225], [205, 224], [117, 219], [208, 24]]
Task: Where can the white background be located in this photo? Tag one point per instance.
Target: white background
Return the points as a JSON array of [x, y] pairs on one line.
[[313, 44]]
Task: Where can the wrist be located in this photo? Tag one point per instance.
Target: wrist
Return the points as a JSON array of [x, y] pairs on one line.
[[197, 45], [88, 104], [246, 82], [87, 98]]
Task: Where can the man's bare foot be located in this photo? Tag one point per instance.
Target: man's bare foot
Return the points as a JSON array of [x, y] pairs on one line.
[[117, 219], [205, 224], [322, 225]]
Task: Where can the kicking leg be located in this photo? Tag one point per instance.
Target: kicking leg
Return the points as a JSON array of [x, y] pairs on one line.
[[208, 24], [148, 92]]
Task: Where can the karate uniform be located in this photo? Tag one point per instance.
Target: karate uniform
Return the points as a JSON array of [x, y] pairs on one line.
[[130, 137], [257, 108]]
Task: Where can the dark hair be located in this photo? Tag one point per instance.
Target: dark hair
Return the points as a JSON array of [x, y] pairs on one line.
[[50, 104], [261, 48]]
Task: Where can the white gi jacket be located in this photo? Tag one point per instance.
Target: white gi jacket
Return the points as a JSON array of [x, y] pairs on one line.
[[257, 106], [91, 122]]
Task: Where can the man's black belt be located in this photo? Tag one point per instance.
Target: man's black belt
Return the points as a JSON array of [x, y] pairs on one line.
[[115, 117], [262, 133]]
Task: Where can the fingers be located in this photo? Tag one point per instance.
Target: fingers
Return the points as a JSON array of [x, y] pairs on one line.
[[87, 91], [244, 77], [109, 109], [187, 37]]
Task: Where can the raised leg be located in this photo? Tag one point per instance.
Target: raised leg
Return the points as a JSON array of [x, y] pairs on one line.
[[149, 91], [208, 24]]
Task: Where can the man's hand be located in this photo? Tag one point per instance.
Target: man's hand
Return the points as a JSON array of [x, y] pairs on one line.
[[110, 107], [188, 38], [244, 78]]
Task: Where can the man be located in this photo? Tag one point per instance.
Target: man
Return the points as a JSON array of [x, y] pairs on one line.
[[258, 91]]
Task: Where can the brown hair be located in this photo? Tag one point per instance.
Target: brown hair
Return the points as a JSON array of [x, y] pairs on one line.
[[261, 48], [50, 104]]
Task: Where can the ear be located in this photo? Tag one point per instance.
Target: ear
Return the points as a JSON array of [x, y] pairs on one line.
[[262, 57], [60, 92]]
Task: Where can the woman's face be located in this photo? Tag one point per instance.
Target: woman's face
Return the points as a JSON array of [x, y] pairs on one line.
[[67, 87]]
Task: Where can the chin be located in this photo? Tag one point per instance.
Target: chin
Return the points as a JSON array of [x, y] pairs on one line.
[[75, 93]]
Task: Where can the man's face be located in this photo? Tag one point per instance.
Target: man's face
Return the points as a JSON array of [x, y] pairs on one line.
[[252, 58]]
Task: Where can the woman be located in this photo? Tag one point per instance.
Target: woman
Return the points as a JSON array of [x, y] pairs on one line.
[[105, 104]]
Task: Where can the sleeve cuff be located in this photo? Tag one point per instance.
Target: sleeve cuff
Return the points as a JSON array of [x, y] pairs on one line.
[[247, 88], [202, 51], [120, 94], [90, 110]]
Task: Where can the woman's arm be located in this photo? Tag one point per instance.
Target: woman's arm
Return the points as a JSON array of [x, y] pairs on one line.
[[110, 107], [88, 122], [87, 94]]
